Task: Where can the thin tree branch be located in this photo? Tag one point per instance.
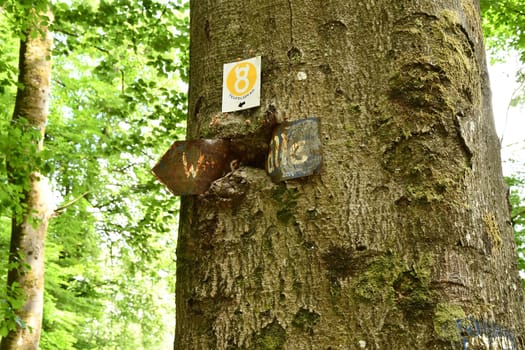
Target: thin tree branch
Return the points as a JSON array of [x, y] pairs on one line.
[[122, 81], [516, 10], [64, 206], [63, 31], [59, 82], [101, 49]]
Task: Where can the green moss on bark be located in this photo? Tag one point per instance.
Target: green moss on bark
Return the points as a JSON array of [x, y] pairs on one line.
[[445, 321], [375, 283], [493, 230], [287, 199], [414, 295], [271, 337], [305, 319]]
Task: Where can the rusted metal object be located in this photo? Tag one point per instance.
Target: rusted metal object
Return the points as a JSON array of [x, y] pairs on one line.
[[189, 167], [295, 150]]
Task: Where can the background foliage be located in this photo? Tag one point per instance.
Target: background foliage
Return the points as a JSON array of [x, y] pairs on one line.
[[504, 29], [118, 102]]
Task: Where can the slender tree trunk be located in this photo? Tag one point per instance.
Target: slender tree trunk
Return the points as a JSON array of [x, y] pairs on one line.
[[29, 231], [404, 240]]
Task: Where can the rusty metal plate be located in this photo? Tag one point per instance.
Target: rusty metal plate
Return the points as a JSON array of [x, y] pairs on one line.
[[295, 150], [189, 167]]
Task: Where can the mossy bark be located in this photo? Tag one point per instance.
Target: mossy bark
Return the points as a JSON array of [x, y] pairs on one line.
[[404, 239], [29, 229]]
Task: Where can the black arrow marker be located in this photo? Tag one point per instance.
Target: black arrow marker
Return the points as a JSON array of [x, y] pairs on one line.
[[242, 104]]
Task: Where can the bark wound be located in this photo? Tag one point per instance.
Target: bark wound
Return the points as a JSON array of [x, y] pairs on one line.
[[413, 295], [249, 133], [295, 55], [207, 31], [198, 106], [338, 261], [230, 189], [290, 7]]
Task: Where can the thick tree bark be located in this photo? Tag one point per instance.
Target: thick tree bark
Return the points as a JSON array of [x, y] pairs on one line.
[[28, 233], [404, 240]]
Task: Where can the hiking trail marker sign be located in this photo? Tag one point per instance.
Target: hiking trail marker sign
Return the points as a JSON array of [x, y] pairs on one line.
[[241, 85], [295, 150], [189, 167]]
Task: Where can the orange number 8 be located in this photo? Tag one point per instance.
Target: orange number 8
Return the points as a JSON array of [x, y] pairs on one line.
[[241, 78]]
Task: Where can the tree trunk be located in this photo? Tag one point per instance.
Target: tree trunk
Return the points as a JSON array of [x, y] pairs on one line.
[[29, 229], [404, 239]]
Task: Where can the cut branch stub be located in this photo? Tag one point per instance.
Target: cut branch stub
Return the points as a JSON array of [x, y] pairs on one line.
[[189, 167], [295, 150]]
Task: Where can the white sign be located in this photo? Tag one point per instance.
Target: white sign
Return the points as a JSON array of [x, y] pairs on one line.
[[241, 85]]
